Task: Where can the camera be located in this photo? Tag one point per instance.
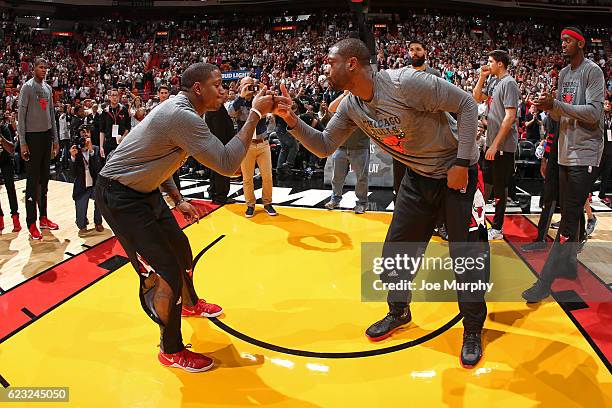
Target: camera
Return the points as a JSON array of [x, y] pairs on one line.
[[81, 140]]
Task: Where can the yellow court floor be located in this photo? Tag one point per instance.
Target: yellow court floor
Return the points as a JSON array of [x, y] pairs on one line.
[[293, 332]]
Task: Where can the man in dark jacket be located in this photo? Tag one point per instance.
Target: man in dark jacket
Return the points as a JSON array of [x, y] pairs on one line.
[[86, 163]]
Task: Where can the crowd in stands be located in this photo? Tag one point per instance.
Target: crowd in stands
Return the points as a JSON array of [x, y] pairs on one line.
[[128, 56]]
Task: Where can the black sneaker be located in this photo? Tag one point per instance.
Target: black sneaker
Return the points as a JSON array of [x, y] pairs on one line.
[[389, 324], [534, 246], [537, 292], [250, 211], [270, 210], [471, 351]]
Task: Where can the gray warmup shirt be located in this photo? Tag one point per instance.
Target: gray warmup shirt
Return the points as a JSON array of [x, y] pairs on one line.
[[579, 109], [407, 118], [155, 148], [505, 93], [36, 112]]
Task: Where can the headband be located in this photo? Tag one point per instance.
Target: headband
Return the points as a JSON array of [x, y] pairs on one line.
[[574, 34]]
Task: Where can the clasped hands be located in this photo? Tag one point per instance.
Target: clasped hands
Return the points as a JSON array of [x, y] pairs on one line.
[[267, 101]]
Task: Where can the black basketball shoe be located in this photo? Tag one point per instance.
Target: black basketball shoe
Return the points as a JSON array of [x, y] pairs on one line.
[[471, 351], [389, 324]]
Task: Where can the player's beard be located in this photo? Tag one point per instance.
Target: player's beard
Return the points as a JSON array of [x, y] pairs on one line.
[[418, 62]]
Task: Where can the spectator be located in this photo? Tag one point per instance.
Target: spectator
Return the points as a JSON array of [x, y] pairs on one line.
[[115, 124], [259, 151], [8, 135], [86, 163], [533, 123]]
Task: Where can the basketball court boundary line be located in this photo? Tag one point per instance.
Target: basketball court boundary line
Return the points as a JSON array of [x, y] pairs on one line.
[[568, 313], [80, 290], [579, 261]]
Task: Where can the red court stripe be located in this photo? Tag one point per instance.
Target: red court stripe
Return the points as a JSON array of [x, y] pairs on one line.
[[595, 320], [55, 285]]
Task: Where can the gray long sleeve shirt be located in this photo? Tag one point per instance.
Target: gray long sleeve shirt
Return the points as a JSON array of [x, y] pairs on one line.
[[407, 118], [36, 112], [156, 147], [579, 110]]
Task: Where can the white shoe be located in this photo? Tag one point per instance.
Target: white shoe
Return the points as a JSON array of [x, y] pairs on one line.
[[495, 234]]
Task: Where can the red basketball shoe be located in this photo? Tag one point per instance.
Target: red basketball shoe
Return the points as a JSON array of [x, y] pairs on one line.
[[46, 223], [201, 308], [187, 360]]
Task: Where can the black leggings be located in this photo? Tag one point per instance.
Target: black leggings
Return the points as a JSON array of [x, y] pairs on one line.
[[419, 202], [37, 169], [575, 183], [550, 197], [498, 177], [158, 250]]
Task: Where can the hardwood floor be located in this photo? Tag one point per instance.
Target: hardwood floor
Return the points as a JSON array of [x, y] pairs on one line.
[[22, 258]]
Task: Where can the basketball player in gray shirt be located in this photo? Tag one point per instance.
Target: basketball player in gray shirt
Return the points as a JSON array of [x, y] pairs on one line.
[[404, 112], [579, 109], [128, 195], [502, 95]]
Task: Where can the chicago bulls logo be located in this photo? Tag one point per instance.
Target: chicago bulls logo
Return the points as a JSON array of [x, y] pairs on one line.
[[43, 103], [568, 98], [394, 142]]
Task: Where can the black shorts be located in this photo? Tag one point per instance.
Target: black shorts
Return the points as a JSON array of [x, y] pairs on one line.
[[499, 172]]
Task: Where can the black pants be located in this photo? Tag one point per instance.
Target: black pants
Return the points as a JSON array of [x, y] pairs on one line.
[[37, 169], [550, 197], [158, 250], [498, 174], [575, 183], [399, 169], [8, 173], [219, 186], [419, 201], [605, 168]]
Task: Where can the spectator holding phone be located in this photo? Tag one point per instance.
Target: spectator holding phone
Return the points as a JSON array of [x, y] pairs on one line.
[[259, 151]]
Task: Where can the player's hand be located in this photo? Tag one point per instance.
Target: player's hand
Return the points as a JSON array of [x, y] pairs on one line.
[[102, 154], [73, 151], [491, 152], [190, 213], [545, 101], [263, 102], [56, 149], [25, 152], [282, 107], [485, 71], [457, 178]]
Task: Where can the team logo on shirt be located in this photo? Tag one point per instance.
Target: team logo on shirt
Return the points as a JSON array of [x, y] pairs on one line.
[[43, 102], [569, 90], [386, 130]]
